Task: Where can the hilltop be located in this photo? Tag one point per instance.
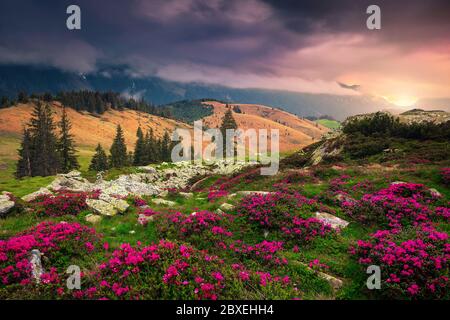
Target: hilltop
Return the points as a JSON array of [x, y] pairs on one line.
[[295, 132]]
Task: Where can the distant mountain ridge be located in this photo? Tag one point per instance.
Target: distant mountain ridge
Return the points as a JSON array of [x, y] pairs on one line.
[[159, 91]]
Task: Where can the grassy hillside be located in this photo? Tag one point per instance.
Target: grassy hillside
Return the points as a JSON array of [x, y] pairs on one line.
[[295, 133], [331, 124]]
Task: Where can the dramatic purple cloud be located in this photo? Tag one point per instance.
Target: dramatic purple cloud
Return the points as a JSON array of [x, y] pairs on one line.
[[307, 46]]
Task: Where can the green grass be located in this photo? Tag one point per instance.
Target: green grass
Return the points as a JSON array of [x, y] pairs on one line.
[[332, 124]]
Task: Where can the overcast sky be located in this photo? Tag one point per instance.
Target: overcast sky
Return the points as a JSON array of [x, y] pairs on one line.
[[307, 46]]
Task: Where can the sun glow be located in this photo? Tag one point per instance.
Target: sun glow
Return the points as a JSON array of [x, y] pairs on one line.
[[402, 100]]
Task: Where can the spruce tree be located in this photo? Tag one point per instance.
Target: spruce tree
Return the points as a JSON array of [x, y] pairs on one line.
[[45, 160], [228, 122], [23, 168], [140, 156], [66, 146], [165, 147], [119, 156], [151, 147], [99, 161]]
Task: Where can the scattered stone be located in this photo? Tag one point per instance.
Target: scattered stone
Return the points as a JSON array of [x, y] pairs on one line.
[[102, 207], [397, 182], [32, 196], [163, 194], [132, 232], [143, 219], [119, 204], [147, 169], [186, 195], [36, 265], [164, 202], [247, 193], [335, 283], [335, 222], [6, 204], [344, 198], [434, 193], [227, 207], [93, 218], [266, 233], [72, 181], [220, 212]]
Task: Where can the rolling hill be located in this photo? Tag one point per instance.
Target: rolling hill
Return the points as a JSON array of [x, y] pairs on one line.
[[295, 132]]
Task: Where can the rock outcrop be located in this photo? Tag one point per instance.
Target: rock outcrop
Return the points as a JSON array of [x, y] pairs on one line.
[[41, 192], [6, 204]]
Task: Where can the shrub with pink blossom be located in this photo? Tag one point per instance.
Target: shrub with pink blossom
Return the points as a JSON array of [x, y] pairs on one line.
[[445, 176], [399, 205], [171, 270], [57, 241], [288, 213], [265, 253], [417, 268], [195, 227], [63, 203]]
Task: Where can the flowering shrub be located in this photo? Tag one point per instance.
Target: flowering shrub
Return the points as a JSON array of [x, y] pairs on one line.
[[290, 214], [64, 203], [317, 265], [56, 241], [139, 202], [264, 253], [417, 268], [144, 216], [445, 175], [443, 212], [396, 206], [195, 227], [215, 194], [176, 271]]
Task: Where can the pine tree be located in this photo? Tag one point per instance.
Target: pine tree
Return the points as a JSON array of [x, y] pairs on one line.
[[119, 156], [45, 160], [165, 147], [99, 161], [23, 168], [66, 146], [151, 149], [228, 122], [22, 97], [140, 156]]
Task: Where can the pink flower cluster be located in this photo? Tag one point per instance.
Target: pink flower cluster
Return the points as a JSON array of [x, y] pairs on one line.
[[221, 187], [214, 194], [264, 252], [317, 265], [445, 174], [183, 226], [415, 268], [169, 271], [399, 205], [291, 214], [49, 238], [63, 203]]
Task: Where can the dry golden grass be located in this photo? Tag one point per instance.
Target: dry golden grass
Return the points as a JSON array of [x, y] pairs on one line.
[[89, 129], [295, 133]]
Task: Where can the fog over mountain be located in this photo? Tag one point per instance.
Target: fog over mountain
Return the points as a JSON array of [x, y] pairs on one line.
[[14, 78]]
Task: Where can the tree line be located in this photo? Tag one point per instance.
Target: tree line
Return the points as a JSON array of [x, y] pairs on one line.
[[383, 124], [91, 101], [148, 149]]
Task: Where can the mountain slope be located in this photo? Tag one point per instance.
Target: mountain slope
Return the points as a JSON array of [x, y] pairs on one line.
[[89, 129], [295, 132]]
